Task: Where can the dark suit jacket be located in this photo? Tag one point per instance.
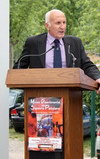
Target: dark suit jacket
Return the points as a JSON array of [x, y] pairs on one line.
[[37, 45]]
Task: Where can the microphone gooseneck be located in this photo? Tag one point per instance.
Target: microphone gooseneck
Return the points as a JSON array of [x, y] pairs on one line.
[[32, 55], [73, 57]]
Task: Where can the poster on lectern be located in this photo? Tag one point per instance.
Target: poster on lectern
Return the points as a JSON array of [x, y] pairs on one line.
[[45, 123]]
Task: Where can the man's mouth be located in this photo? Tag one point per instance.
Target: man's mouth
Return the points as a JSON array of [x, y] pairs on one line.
[[61, 32]]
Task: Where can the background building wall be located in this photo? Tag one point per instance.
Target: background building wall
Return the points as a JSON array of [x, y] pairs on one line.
[[4, 64]]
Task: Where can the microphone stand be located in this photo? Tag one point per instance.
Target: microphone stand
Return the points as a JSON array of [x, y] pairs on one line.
[[32, 55], [73, 57]]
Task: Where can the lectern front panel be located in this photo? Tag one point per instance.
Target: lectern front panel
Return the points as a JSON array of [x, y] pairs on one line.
[[72, 122]]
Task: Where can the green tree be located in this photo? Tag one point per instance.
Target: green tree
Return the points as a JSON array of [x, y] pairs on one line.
[[89, 25], [20, 23]]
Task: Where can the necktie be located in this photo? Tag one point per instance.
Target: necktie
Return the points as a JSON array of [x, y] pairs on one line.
[[57, 54]]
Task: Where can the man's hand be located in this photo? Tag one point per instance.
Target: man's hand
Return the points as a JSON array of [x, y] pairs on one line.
[[98, 81]]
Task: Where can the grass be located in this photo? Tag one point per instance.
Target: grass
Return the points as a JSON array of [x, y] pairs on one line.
[[16, 135], [87, 146]]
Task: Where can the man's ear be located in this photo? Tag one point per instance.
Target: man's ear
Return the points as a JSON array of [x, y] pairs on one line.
[[47, 26]]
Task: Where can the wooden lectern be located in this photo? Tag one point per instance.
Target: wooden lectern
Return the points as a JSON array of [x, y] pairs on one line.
[[63, 82]]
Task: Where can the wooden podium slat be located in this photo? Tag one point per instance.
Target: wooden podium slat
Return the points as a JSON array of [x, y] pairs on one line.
[[66, 77]]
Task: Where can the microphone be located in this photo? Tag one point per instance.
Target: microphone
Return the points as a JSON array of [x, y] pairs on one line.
[[32, 55], [74, 58]]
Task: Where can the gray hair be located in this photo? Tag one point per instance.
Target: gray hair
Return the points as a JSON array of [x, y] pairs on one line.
[[47, 15]]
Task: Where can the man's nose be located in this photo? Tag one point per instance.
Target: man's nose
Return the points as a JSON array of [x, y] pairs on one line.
[[62, 26]]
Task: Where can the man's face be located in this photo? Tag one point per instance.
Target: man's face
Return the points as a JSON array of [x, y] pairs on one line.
[[57, 25]]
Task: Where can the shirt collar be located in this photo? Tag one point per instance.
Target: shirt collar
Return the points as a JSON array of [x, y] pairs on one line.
[[51, 39]]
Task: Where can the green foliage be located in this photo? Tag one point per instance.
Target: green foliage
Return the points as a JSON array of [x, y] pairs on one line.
[[21, 23], [89, 25], [87, 100]]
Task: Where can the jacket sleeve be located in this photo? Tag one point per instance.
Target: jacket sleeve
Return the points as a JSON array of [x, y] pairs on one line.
[[87, 65]]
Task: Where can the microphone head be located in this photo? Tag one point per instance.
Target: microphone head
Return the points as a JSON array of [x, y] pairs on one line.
[[53, 47]]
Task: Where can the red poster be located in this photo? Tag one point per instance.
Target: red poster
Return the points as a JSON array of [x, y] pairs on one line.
[[45, 123]]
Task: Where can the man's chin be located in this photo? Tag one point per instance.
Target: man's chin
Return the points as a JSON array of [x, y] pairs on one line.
[[60, 36]]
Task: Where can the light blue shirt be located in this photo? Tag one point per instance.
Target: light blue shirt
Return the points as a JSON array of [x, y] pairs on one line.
[[50, 54]]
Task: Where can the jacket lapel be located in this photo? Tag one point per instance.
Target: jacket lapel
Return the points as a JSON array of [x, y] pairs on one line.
[[68, 57], [42, 48]]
